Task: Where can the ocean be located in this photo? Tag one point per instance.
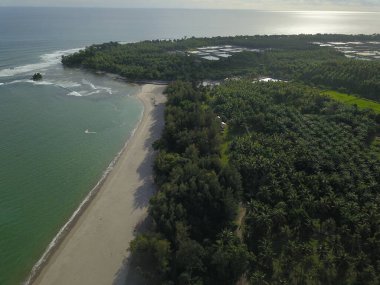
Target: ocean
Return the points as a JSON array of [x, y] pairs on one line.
[[58, 136]]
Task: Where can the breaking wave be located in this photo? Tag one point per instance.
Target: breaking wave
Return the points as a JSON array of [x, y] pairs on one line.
[[74, 93], [47, 60], [93, 87]]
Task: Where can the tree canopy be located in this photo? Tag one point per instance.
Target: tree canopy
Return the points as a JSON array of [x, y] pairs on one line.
[[293, 58], [304, 168], [258, 182]]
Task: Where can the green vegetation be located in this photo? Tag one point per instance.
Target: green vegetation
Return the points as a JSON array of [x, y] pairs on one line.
[[353, 100], [310, 182], [284, 57], [304, 168], [288, 191], [37, 77], [196, 207], [152, 253]]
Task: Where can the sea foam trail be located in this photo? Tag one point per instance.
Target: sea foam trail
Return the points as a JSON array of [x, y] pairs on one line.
[[94, 87], [53, 245], [29, 81], [62, 84], [67, 85], [47, 60], [74, 93]]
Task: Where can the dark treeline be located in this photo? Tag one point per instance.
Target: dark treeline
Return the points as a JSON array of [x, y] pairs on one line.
[[323, 68], [286, 57], [301, 168], [311, 183], [194, 210]]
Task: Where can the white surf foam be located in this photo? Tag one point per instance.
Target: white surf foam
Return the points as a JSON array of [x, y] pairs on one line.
[[94, 87], [20, 81], [86, 82], [74, 93], [108, 90], [47, 60], [30, 81], [68, 84], [355, 43], [61, 84], [93, 93], [42, 83]]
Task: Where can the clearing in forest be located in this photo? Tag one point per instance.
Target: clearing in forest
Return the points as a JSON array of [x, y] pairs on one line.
[[353, 100]]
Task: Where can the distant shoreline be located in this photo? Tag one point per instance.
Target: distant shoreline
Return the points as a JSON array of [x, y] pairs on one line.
[[55, 251]]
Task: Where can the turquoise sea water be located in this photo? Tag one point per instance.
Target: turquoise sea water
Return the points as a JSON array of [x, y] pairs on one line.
[[48, 163]]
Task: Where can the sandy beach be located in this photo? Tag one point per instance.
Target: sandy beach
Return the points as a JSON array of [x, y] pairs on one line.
[[95, 250]]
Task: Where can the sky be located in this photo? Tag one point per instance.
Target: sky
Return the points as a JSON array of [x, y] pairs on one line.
[[333, 5]]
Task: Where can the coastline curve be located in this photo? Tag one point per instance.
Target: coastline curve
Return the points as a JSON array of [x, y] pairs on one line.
[[63, 233]]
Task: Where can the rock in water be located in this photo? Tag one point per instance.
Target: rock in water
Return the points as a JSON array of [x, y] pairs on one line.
[[37, 76]]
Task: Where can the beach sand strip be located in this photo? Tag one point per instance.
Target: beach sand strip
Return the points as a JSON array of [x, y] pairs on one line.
[[95, 250]]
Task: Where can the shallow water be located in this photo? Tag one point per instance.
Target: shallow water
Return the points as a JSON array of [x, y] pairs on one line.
[[49, 163]]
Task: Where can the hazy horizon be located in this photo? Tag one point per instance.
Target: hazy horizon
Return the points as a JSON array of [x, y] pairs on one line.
[[260, 5], [197, 8]]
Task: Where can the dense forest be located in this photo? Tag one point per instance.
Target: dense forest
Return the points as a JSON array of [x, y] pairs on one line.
[[311, 183], [300, 167], [195, 208], [258, 182], [284, 57]]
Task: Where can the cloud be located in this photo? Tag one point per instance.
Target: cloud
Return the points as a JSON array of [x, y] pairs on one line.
[[209, 4]]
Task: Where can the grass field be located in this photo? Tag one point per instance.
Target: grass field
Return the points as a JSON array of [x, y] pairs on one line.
[[353, 100]]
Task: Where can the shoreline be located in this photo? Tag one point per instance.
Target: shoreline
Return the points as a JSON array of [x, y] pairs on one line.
[[65, 229], [140, 134]]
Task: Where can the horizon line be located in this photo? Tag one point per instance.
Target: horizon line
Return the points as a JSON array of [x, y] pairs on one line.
[[198, 8]]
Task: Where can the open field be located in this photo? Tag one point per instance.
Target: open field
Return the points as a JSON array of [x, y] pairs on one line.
[[353, 100]]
